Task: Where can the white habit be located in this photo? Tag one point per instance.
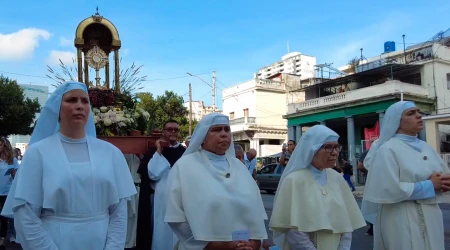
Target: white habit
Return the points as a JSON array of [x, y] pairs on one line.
[[314, 209], [158, 171], [405, 222], [312, 220], [133, 204], [70, 195], [208, 201]]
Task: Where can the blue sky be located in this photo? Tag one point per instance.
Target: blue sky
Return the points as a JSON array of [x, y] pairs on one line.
[[234, 38]]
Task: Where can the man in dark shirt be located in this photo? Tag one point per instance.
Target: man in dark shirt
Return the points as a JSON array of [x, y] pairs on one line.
[[348, 172]]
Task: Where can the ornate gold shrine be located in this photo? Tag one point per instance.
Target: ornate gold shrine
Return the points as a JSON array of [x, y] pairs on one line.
[[95, 38]]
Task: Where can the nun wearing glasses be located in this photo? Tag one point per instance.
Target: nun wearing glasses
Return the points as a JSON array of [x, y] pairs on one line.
[[314, 209], [406, 181], [213, 203], [72, 189]]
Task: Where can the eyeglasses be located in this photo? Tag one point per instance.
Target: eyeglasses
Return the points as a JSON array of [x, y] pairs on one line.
[[173, 130], [331, 148]]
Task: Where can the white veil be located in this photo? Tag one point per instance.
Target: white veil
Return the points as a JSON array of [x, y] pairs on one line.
[[201, 130]]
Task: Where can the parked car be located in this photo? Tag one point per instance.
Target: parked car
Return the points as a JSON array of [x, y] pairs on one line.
[[269, 177]]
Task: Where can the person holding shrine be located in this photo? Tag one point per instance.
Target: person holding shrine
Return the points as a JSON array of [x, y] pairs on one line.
[[133, 162], [72, 189], [406, 182], [153, 233], [313, 208], [212, 201]]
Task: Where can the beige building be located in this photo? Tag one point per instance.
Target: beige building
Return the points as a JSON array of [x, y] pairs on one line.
[[255, 109], [199, 110]]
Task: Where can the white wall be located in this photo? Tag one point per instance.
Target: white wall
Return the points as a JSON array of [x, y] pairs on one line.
[[434, 78], [238, 98], [270, 107]]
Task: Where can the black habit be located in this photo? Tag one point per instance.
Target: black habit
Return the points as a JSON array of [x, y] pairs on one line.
[[146, 193]]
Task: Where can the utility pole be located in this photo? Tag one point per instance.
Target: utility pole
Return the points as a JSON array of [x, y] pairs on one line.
[[404, 47], [214, 91], [190, 109]]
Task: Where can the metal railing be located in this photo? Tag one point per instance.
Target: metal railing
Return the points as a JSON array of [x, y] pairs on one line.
[[243, 120]]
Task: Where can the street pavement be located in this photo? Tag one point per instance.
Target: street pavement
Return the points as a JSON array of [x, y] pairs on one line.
[[360, 241]]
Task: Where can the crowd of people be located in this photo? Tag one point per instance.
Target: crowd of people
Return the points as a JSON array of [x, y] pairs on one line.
[[74, 191]]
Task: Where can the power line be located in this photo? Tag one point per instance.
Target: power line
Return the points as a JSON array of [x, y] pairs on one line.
[[148, 80]]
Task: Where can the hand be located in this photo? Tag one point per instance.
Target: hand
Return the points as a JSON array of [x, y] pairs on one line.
[[435, 178], [248, 245], [158, 145], [229, 245], [445, 182], [266, 245], [283, 149]]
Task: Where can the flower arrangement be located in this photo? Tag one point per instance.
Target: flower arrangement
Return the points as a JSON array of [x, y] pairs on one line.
[[141, 118], [101, 98], [112, 122]]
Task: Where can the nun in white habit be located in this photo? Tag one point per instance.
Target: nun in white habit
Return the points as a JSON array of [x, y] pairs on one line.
[[212, 201], [314, 209], [72, 189], [405, 183]]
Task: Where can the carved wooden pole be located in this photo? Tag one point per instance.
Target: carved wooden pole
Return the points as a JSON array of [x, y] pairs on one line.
[[107, 74], [80, 65], [86, 72], [116, 73]]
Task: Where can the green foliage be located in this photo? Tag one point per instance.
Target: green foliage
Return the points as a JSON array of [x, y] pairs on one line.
[[353, 64], [126, 98], [165, 107], [16, 112]]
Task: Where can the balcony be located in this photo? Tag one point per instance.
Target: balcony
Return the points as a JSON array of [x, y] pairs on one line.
[[243, 120], [270, 84], [254, 84], [385, 89], [242, 123]]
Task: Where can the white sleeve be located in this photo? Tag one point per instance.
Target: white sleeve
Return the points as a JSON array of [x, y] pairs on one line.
[[299, 240], [30, 230], [117, 229], [184, 233], [156, 167], [346, 241]]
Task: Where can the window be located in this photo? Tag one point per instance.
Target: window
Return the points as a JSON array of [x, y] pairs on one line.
[[245, 112], [231, 115], [269, 169], [448, 80]]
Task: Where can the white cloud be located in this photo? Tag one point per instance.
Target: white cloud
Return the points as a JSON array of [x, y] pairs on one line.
[[20, 45], [67, 57], [64, 42]]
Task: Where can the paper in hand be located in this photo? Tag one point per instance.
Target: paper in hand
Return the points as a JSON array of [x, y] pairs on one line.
[[242, 235]]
